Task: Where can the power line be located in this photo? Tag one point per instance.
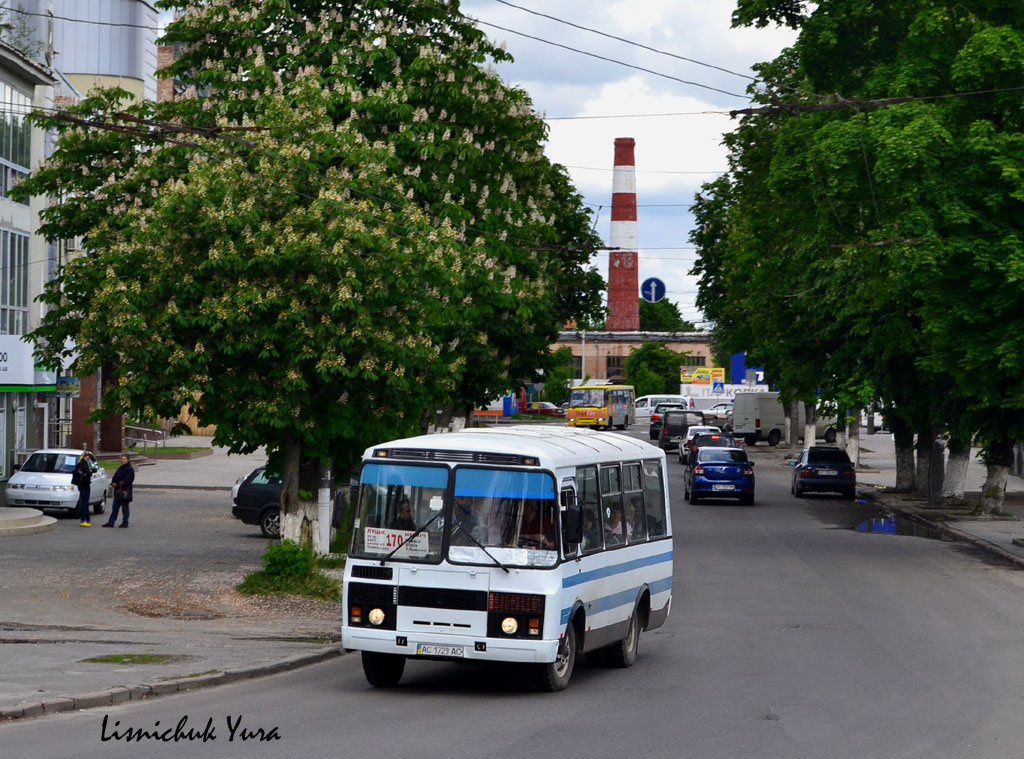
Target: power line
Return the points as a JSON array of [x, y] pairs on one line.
[[628, 41], [642, 171], [637, 115], [24, 12]]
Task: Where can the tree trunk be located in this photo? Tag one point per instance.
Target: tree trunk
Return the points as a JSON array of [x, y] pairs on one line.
[[793, 423], [923, 448], [853, 438], [322, 531], [809, 432], [870, 418], [936, 464], [298, 515], [998, 460], [994, 490], [903, 440], [956, 469]]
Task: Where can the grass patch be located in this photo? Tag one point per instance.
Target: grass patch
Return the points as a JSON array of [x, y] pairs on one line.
[[130, 659], [289, 570]]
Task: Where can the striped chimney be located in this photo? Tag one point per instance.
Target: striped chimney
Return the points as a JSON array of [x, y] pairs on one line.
[[623, 282]]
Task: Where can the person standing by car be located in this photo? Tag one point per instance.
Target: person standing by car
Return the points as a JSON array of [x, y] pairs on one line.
[[122, 484], [82, 478]]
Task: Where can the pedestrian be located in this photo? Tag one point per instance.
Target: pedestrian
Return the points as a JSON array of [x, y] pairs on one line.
[[82, 477], [122, 484]]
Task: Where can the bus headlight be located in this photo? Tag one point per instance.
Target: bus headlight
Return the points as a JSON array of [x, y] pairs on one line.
[[509, 625], [376, 617]]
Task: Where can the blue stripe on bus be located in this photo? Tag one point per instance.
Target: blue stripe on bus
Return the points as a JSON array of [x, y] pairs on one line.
[[614, 569], [622, 598]]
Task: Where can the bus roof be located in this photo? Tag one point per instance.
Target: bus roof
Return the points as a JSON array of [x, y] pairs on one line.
[[553, 446]]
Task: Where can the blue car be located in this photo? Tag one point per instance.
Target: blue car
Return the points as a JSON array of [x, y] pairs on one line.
[[824, 468], [720, 473]]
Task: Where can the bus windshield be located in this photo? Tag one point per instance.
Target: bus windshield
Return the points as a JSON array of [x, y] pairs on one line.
[[504, 516], [588, 397], [394, 502]]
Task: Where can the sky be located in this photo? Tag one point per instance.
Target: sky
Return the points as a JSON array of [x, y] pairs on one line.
[[675, 154]]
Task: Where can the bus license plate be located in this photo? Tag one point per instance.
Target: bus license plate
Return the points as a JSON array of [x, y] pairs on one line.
[[828, 472], [723, 487], [427, 649]]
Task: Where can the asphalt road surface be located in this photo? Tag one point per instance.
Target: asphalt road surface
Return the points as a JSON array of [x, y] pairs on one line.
[[791, 635]]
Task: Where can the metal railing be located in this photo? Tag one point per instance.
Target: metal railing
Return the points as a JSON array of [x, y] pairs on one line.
[[144, 438]]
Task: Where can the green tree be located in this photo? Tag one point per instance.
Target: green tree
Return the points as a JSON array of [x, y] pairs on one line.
[[347, 220], [558, 375], [653, 368], [663, 316], [873, 252]]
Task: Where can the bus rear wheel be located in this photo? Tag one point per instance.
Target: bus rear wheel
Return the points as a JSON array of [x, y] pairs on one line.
[[623, 653], [554, 676], [383, 670]]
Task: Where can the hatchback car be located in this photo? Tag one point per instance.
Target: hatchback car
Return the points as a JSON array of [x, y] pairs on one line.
[[824, 468], [257, 500], [720, 473], [44, 482], [657, 414], [706, 439]]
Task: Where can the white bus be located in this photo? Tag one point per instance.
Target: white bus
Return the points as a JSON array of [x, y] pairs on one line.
[[517, 544]]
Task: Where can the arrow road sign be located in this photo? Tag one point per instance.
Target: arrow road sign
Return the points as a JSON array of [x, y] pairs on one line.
[[652, 290]]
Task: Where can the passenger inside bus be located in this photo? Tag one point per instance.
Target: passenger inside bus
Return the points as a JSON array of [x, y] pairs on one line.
[[535, 528], [591, 531], [614, 530]]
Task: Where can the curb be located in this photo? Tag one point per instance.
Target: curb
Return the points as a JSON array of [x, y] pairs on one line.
[[146, 486], [121, 694]]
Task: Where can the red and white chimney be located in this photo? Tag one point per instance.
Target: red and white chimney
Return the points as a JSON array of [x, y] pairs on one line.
[[623, 281]]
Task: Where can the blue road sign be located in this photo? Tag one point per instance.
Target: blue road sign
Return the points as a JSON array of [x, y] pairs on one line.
[[717, 387], [652, 290]]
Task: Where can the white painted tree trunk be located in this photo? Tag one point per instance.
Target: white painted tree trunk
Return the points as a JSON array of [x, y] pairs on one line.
[[301, 524], [853, 439], [809, 434], [905, 481], [995, 488], [956, 472]]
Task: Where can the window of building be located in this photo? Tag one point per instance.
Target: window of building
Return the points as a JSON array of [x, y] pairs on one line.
[[13, 283], [15, 137], [690, 360], [615, 366]]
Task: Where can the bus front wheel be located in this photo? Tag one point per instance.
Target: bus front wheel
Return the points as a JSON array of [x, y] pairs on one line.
[[555, 675], [383, 670]]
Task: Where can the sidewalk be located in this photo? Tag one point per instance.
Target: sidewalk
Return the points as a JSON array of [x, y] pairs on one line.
[[68, 598], [217, 471], [996, 534]]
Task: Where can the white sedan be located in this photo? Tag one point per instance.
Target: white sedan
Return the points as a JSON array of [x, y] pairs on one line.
[[44, 482]]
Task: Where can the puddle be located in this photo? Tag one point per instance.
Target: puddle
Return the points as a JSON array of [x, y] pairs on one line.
[[902, 526]]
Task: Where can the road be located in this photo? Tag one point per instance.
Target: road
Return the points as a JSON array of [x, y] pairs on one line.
[[791, 635]]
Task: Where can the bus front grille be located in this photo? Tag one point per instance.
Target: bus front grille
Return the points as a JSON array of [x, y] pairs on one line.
[[443, 598]]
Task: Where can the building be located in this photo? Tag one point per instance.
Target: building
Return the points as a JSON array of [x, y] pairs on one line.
[[27, 261], [602, 355]]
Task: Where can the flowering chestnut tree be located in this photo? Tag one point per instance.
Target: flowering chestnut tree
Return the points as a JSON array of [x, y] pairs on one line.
[[345, 221]]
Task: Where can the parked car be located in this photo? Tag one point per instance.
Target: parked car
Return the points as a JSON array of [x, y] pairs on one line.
[[543, 408], [720, 473], [657, 413], [674, 425], [824, 468], [704, 439], [720, 415], [257, 500], [44, 482]]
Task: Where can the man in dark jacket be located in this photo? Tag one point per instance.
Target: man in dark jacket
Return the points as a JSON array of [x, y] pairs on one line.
[[122, 484]]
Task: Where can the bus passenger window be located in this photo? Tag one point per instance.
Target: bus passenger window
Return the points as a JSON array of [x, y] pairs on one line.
[[587, 491], [654, 500]]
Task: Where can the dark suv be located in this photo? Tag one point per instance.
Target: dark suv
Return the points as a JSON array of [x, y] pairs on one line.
[[657, 414], [824, 468], [674, 424]]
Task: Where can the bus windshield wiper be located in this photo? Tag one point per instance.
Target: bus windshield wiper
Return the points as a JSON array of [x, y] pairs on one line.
[[412, 537], [483, 548]]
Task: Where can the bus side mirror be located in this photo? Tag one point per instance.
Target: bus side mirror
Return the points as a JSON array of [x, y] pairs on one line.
[[572, 519]]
